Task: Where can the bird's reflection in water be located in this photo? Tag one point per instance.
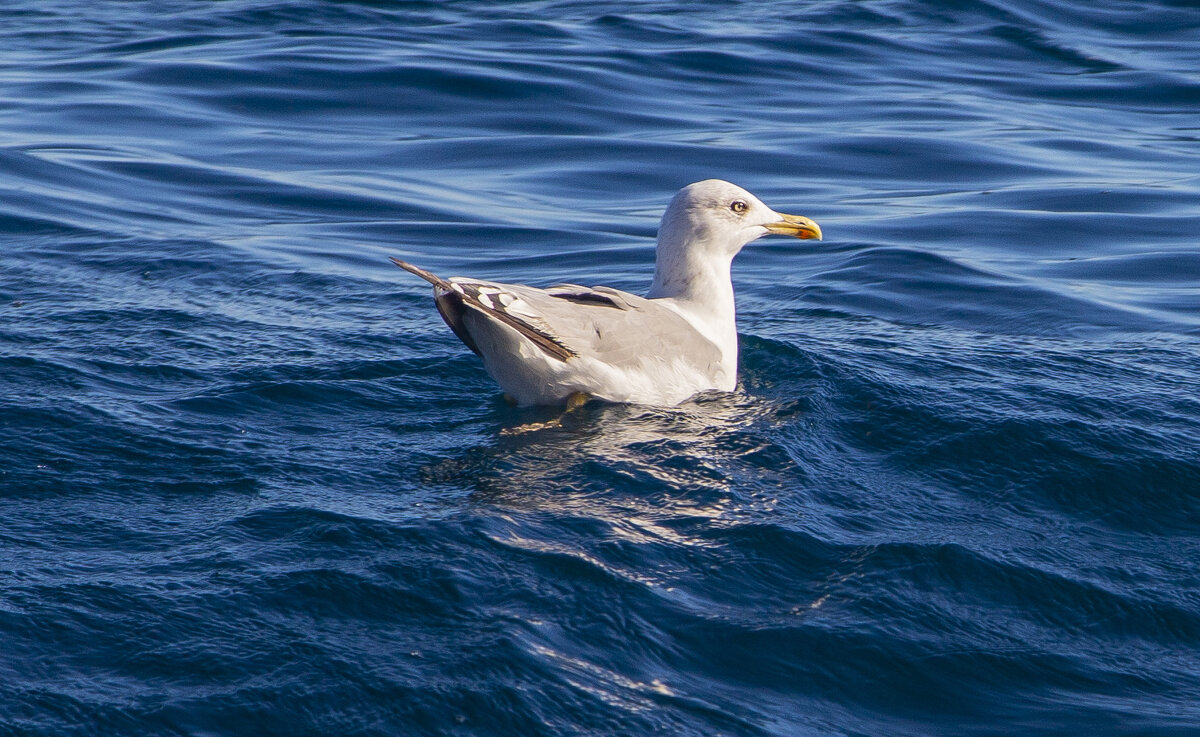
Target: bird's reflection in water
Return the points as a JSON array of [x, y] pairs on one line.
[[622, 514], [643, 471]]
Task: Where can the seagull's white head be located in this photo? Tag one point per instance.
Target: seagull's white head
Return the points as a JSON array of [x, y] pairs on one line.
[[719, 218]]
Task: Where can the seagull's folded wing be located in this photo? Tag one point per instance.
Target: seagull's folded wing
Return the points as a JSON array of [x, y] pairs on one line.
[[601, 323]]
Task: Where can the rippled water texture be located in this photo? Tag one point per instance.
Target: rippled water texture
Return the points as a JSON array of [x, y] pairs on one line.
[[251, 485]]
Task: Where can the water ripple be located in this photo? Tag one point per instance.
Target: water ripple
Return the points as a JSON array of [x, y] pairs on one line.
[[252, 485]]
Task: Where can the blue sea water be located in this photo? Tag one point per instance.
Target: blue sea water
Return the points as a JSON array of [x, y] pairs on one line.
[[250, 484]]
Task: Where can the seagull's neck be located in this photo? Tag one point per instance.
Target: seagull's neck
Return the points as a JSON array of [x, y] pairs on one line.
[[700, 287]]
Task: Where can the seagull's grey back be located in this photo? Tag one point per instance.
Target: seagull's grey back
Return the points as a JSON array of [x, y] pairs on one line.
[[618, 328]]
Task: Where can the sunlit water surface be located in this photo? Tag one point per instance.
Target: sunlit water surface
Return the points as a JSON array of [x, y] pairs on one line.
[[251, 485]]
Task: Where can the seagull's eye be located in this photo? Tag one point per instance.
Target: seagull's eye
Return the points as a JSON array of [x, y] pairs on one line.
[[738, 206]]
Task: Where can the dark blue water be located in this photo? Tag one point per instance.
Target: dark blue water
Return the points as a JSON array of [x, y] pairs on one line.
[[251, 485]]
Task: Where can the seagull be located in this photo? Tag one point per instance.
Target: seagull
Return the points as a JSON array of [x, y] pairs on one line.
[[568, 344]]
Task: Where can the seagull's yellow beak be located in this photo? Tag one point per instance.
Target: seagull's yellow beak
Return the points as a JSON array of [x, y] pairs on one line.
[[796, 226]]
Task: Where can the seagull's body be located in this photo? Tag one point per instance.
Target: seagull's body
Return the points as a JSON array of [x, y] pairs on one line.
[[545, 346]]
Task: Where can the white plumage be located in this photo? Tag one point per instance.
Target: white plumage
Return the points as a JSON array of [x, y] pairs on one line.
[[545, 346]]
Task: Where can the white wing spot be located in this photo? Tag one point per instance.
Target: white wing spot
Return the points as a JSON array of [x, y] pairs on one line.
[[521, 307]]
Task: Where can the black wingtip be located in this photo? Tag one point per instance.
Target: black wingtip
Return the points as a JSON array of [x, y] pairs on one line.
[[430, 277], [547, 343]]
